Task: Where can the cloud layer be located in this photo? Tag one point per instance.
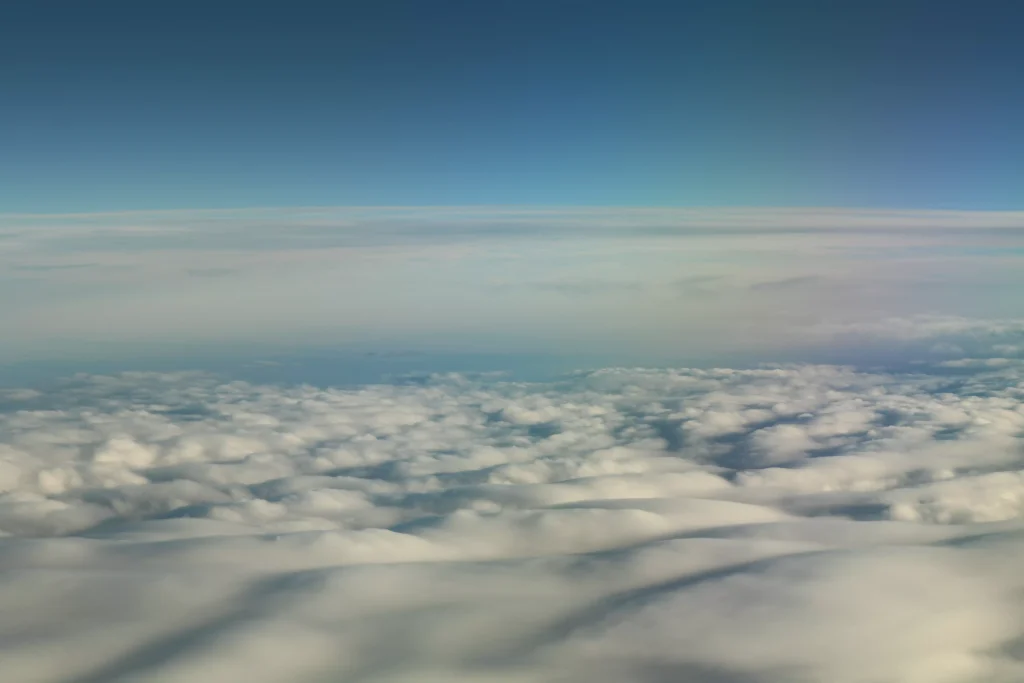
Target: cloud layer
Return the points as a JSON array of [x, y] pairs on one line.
[[623, 283], [793, 523], [789, 523]]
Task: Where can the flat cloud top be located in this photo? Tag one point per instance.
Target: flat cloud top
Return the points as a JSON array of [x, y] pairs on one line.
[[822, 217], [620, 283], [787, 523]]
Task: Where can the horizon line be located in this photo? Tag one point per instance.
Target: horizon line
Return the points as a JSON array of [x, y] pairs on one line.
[[533, 208]]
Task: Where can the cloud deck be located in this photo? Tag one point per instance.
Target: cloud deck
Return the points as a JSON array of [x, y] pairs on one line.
[[801, 522]]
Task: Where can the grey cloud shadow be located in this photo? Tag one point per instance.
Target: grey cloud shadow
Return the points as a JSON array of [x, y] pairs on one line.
[[659, 671], [258, 600], [631, 600]]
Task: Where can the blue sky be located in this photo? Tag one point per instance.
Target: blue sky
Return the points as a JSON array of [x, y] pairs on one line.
[[113, 106]]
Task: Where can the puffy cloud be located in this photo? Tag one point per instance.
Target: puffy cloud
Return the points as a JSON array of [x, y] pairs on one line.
[[799, 522]]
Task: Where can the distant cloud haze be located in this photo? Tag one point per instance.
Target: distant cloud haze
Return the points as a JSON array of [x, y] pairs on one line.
[[514, 279]]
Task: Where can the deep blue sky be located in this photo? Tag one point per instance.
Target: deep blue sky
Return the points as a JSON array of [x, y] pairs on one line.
[[151, 104]]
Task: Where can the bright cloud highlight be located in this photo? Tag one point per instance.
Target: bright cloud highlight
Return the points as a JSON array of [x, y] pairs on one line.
[[788, 523]]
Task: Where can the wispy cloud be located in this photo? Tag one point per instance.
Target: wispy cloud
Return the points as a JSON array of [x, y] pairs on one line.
[[518, 278], [210, 272]]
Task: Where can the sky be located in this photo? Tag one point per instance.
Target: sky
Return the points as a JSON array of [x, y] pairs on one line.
[[110, 106]]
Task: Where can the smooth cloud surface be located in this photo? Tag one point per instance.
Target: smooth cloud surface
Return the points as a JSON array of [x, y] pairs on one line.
[[627, 284], [790, 523]]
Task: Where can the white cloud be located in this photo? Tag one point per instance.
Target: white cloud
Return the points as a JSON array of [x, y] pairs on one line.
[[622, 283], [924, 326], [800, 522]]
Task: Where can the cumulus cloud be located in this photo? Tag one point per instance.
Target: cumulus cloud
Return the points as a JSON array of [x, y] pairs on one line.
[[793, 522]]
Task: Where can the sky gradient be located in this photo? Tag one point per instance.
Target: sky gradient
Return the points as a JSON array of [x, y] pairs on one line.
[[112, 106]]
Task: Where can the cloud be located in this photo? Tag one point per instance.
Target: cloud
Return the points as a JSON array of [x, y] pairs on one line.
[[794, 522], [286, 228], [577, 287], [792, 282], [940, 341], [210, 272], [837, 522], [42, 268], [616, 282], [927, 326]]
